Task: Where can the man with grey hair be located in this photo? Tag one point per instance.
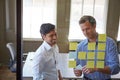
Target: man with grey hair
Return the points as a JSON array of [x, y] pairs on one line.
[[111, 61]]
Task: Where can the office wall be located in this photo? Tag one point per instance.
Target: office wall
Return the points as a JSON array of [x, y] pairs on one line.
[[63, 19], [3, 54], [113, 18], [31, 46], [8, 26]]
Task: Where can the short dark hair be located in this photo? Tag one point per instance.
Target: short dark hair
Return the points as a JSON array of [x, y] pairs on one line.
[[46, 28], [88, 18]]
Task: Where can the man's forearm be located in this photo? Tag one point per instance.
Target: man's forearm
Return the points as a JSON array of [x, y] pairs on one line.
[[59, 75], [105, 70]]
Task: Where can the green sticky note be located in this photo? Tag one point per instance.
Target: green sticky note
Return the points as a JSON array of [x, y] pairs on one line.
[[91, 46], [91, 55], [72, 64], [101, 46], [101, 55], [90, 64], [82, 55], [73, 45], [72, 55], [100, 64], [102, 37]]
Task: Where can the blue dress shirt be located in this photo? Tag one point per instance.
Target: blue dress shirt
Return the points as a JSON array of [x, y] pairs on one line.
[[111, 59]]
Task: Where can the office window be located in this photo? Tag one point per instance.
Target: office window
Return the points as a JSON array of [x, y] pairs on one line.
[[36, 12], [86, 7], [118, 38]]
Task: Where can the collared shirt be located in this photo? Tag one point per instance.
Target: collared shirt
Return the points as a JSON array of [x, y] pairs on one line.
[[45, 62], [111, 59]]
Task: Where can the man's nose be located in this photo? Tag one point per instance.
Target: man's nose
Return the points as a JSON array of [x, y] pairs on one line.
[[54, 37], [85, 31]]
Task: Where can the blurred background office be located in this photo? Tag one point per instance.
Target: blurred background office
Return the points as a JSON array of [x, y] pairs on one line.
[[63, 13]]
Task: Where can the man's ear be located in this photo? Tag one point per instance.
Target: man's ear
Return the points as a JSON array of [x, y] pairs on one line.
[[94, 25], [43, 36]]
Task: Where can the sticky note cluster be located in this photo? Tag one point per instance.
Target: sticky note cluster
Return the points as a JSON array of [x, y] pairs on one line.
[[99, 55], [72, 57], [94, 55], [101, 42], [72, 54]]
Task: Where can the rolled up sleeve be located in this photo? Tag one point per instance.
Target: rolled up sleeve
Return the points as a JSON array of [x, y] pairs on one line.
[[113, 59]]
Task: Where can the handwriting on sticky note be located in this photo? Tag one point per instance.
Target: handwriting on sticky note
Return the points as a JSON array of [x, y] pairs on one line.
[[82, 55], [101, 55], [72, 45], [91, 46], [100, 64], [90, 64], [102, 37], [101, 46], [72, 64], [91, 55]]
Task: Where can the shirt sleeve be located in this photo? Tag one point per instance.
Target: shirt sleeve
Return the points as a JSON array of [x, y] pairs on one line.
[[112, 58], [57, 58], [77, 51], [38, 64]]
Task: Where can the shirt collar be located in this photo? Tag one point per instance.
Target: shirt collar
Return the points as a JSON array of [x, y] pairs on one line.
[[86, 40], [47, 46]]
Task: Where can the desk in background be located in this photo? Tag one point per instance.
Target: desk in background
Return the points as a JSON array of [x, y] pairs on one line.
[[67, 73], [27, 67]]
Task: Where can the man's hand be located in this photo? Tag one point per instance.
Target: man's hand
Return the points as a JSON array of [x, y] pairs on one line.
[[86, 70], [59, 75], [77, 72]]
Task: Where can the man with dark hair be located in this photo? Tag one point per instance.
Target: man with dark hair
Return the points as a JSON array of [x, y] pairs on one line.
[[45, 61], [111, 61]]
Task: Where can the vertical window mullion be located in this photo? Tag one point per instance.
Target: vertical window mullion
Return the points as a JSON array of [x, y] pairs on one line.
[[36, 14], [93, 7], [88, 7], [82, 7]]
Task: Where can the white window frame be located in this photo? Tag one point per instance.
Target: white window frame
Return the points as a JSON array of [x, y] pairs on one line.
[[75, 33], [118, 37], [36, 12]]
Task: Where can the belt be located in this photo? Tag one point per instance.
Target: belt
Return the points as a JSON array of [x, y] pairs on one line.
[[86, 78]]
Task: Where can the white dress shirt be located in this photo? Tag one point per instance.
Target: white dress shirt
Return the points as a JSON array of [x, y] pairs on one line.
[[45, 62]]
